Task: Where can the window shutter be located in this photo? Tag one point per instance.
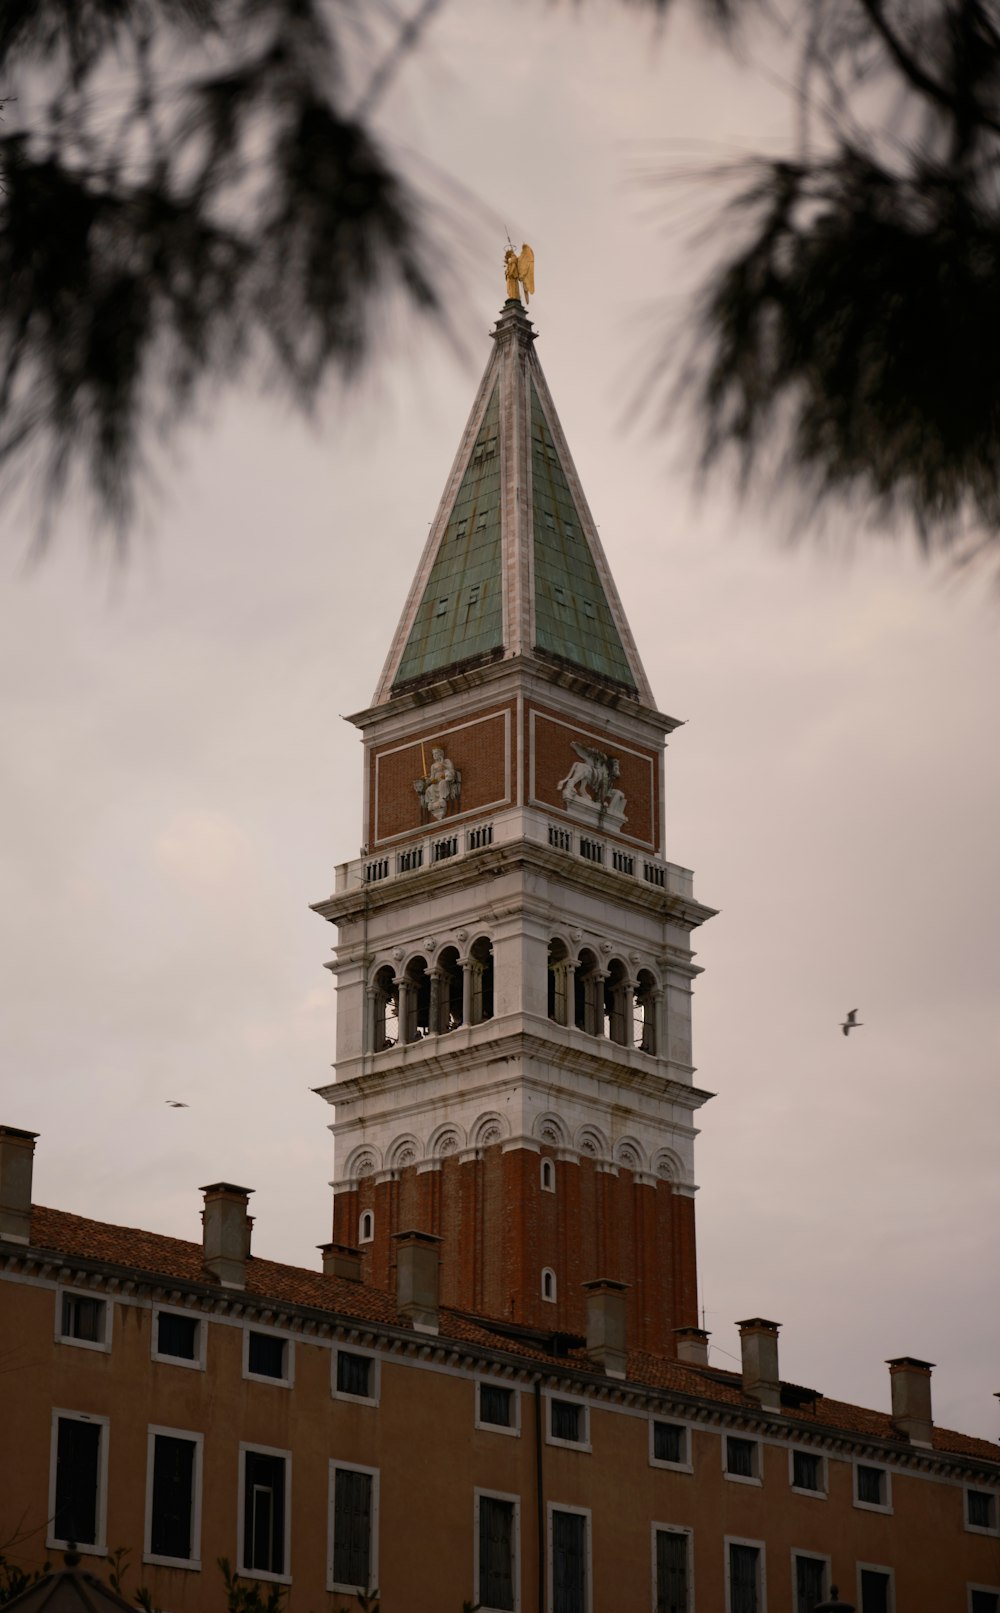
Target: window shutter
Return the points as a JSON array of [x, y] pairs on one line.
[[496, 1553], [78, 1453], [671, 1572], [173, 1489], [808, 1583], [569, 1567], [352, 1515], [743, 1579]]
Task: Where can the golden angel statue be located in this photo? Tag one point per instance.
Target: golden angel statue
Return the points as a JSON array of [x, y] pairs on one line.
[[520, 271]]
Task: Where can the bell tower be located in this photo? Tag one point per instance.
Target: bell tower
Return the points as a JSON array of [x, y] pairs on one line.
[[513, 966]]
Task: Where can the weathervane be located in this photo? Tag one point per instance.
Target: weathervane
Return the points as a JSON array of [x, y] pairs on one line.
[[520, 271]]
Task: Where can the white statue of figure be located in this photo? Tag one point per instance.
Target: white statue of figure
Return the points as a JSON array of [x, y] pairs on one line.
[[441, 785], [591, 788]]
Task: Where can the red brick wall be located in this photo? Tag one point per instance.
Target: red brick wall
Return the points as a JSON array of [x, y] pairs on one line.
[[478, 747], [639, 777], [499, 1229]]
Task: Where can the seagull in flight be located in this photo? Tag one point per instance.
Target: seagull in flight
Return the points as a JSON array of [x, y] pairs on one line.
[[172, 1103], [851, 1023]]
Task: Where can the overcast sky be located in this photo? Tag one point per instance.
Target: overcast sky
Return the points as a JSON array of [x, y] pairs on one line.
[[177, 784]]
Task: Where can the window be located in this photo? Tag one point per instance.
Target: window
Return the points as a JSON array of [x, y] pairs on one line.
[[810, 1582], [871, 1486], [874, 1590], [177, 1337], [744, 1573], [807, 1472], [83, 1319], [356, 1375], [672, 1570], [268, 1355], [981, 1510], [670, 1444], [172, 1496], [264, 1547], [496, 1406], [983, 1601], [568, 1564], [549, 1284], [567, 1422], [496, 1560], [366, 1226], [353, 1528], [548, 1176], [742, 1458], [78, 1480]]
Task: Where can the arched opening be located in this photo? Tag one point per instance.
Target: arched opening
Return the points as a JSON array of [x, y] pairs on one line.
[[644, 1013], [366, 1226], [549, 1284], [548, 1176], [588, 994], [617, 991], [480, 966], [448, 1009], [560, 971], [416, 1001], [385, 1009]]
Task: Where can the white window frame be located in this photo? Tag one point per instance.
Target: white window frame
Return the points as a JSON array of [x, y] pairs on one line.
[[287, 1382], [686, 1466], [990, 1590], [375, 1377], [553, 1298], [364, 1237], [761, 1548], [876, 1568], [103, 1345], [373, 1472], [672, 1529], [823, 1493], [872, 1506], [817, 1556], [497, 1495], [198, 1360], [514, 1427], [981, 1528], [241, 1563], [583, 1512], [198, 1441], [567, 1444], [99, 1547], [755, 1478], [547, 1168]]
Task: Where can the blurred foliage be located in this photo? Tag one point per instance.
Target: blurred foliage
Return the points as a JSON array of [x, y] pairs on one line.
[[192, 191]]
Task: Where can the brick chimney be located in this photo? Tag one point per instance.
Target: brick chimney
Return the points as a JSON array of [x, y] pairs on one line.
[[606, 1325], [341, 1260], [910, 1382], [17, 1153], [692, 1345], [227, 1231], [417, 1278], [759, 1348]]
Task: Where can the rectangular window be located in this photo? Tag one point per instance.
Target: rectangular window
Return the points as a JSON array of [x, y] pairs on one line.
[[810, 1583], [267, 1355], [984, 1602], [672, 1590], [807, 1471], [744, 1579], [566, 1421], [741, 1457], [496, 1553], [84, 1319], [78, 1481], [496, 1405], [569, 1562], [980, 1509], [669, 1442], [177, 1336], [871, 1485], [172, 1499], [354, 1374], [353, 1529], [874, 1588], [264, 1484]]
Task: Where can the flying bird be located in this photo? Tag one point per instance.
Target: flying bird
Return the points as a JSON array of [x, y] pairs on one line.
[[172, 1103], [851, 1023]]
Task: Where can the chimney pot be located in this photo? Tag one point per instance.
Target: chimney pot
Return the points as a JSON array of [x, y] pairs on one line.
[[606, 1325], [341, 1260], [417, 1278], [692, 1345], [227, 1228], [759, 1349], [910, 1383], [17, 1154]]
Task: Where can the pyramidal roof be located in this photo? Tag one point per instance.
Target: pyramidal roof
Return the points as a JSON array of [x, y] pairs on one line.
[[513, 564]]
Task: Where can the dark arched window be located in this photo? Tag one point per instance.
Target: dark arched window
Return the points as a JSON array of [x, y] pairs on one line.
[[416, 1001], [617, 994], [385, 1009], [560, 974], [481, 982], [448, 995], [588, 994], [644, 1013]]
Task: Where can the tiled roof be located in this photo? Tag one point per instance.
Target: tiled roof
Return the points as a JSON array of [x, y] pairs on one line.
[[154, 1256]]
